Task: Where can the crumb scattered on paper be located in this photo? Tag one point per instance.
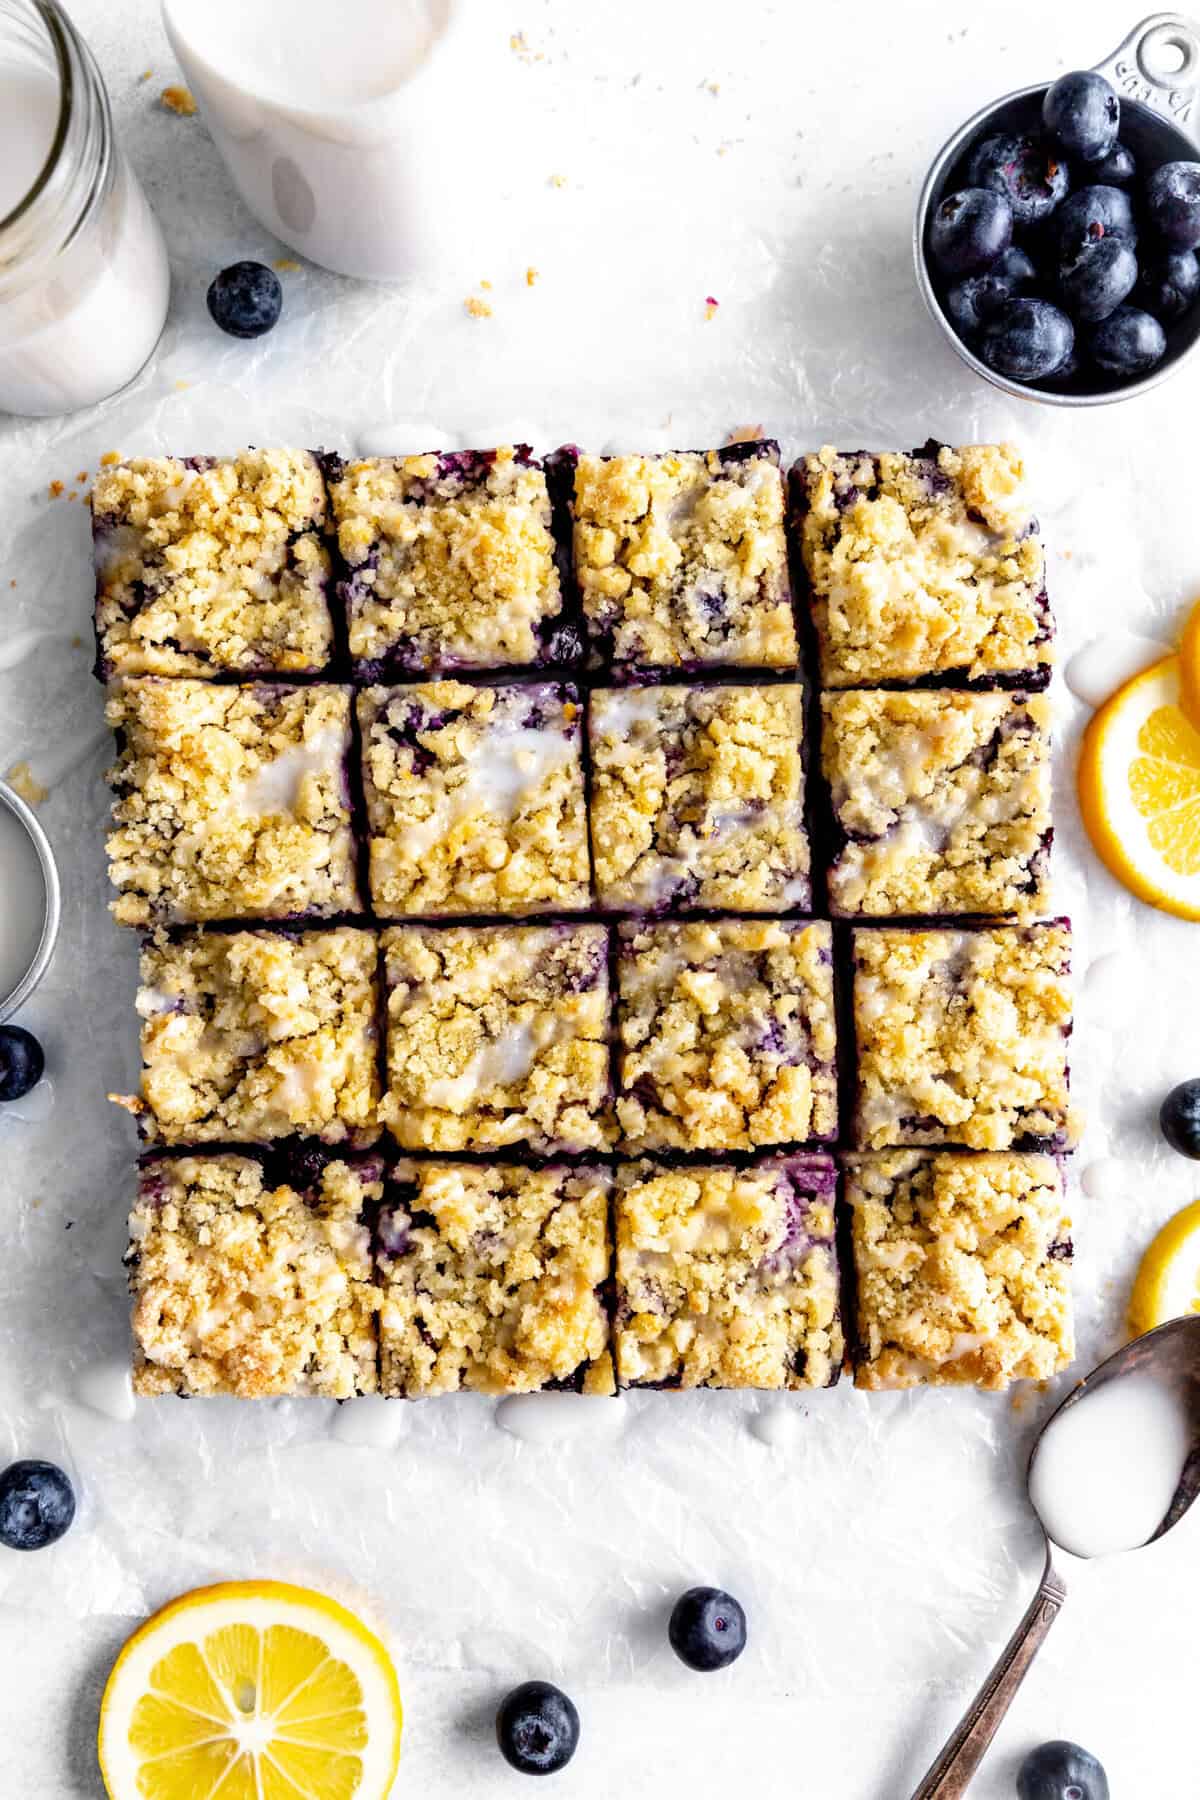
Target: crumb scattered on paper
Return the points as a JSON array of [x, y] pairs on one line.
[[558, 181], [178, 99], [145, 74], [711, 87], [531, 276], [520, 46], [477, 308], [110, 459], [287, 265], [22, 780], [710, 306], [82, 476], [56, 490], [485, 284], [745, 434]]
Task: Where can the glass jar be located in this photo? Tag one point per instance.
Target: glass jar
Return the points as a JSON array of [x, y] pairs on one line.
[[84, 279]]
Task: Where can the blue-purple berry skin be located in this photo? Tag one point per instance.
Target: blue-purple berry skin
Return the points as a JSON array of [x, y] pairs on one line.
[[1061, 1771], [970, 229], [246, 299], [1015, 266], [537, 1728], [1129, 342], [1083, 112], [1095, 275], [1108, 208], [1173, 203], [1027, 339], [1117, 169], [973, 299], [22, 1062], [1032, 176], [37, 1505], [1179, 1118], [1168, 286], [707, 1629]]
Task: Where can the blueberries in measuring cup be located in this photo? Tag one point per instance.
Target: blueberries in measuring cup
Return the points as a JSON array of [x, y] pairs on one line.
[[1173, 203], [1031, 175], [1027, 339], [1099, 211], [970, 230], [1128, 342], [1082, 113], [1061, 1771], [1095, 273], [1117, 169], [1168, 287]]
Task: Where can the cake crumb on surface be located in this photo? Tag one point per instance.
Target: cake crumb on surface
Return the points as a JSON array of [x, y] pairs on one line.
[[110, 459], [558, 181], [22, 780], [286, 265], [477, 308], [178, 99], [531, 276], [56, 490], [710, 306]]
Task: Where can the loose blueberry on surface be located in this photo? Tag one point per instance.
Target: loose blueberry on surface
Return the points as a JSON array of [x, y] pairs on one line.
[[1082, 111], [1061, 1771], [1027, 339], [1118, 168], [970, 230], [1173, 203], [1095, 274], [537, 1728], [37, 1504], [1128, 342], [1179, 1118], [22, 1062], [707, 1629], [246, 299], [1169, 285], [1032, 176], [1108, 207], [970, 301]]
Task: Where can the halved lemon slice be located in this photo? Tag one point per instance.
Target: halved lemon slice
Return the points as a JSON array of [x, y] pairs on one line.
[[253, 1690], [1168, 1280], [1139, 790], [1189, 666]]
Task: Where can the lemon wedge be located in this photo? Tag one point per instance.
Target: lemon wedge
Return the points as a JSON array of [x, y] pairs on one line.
[[1139, 790], [1189, 666], [253, 1690], [1168, 1280]]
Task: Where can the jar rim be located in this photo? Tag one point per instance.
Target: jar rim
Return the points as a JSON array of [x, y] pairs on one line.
[[52, 20]]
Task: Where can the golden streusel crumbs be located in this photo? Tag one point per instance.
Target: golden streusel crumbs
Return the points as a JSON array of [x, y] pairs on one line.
[[180, 100], [22, 780], [492, 1280], [727, 1277], [477, 308], [962, 1267]]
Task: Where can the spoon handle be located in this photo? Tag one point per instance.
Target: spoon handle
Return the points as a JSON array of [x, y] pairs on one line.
[[964, 1750]]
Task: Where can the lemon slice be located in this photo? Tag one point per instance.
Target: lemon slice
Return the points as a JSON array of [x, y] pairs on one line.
[[1168, 1280], [253, 1690], [1139, 790], [1189, 666]]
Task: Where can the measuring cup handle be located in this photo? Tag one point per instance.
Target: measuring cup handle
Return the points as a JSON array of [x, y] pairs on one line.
[[1136, 68], [964, 1750]]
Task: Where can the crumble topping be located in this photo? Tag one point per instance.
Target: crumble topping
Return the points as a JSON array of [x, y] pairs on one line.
[[474, 798], [942, 799], [727, 1277], [698, 797], [727, 1034], [210, 567], [497, 1034], [230, 802], [247, 1288], [923, 566], [252, 1036], [962, 1036], [681, 558], [451, 558], [963, 1268], [492, 1280]]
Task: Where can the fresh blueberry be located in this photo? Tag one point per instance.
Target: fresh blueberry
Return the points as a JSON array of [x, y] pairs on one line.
[[1179, 1118], [1095, 274], [1027, 339], [973, 299], [37, 1504], [1128, 342], [1061, 1771], [1117, 168], [707, 1629], [1015, 266], [1110, 208], [22, 1062], [1032, 177], [1173, 203], [537, 1728], [246, 299], [1082, 111], [1168, 286], [970, 230]]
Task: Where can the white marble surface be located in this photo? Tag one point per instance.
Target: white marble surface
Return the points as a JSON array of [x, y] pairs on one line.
[[766, 156]]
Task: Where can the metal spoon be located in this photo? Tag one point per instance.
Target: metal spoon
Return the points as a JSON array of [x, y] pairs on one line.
[[1171, 1354]]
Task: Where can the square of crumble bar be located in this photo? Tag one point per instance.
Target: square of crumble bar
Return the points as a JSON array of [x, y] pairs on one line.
[[727, 1034], [698, 798], [253, 1279], [251, 1036], [941, 802], [231, 802], [961, 1037], [208, 566], [923, 567], [475, 799], [496, 1035], [452, 562], [494, 1280], [962, 1268], [727, 1278], [681, 559]]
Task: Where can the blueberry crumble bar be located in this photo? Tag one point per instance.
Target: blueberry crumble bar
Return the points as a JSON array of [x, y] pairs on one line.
[[962, 1268], [497, 1035], [727, 1036], [209, 566], [231, 802], [493, 1279], [698, 798], [451, 562], [251, 1036], [962, 1037], [941, 802], [727, 1278], [681, 559], [254, 1280], [923, 567], [475, 798]]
